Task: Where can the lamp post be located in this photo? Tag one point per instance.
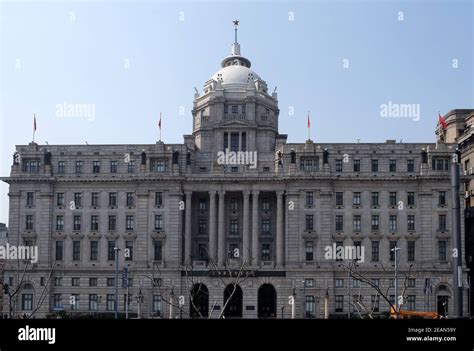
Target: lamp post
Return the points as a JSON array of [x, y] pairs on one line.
[[116, 250], [304, 298], [395, 252]]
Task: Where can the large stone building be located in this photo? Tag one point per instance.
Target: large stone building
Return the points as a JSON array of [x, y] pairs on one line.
[[195, 219]]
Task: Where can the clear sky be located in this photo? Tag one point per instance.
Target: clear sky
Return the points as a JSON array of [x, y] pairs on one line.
[[131, 60]]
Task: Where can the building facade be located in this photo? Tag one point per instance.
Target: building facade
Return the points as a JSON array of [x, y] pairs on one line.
[[235, 221]]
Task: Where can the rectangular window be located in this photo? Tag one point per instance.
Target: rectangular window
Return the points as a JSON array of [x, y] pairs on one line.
[[309, 222], [309, 251], [266, 256], [29, 225], [157, 250], [309, 198], [27, 302], [158, 165], [77, 223], [356, 224], [411, 302], [310, 306], [411, 251], [156, 305], [234, 141], [61, 167], [30, 198], [442, 198], [202, 204], [59, 250], [158, 222], [110, 302], [375, 250], [265, 226], [226, 139], [95, 199], [265, 204], [338, 165], [94, 250], [411, 198], [339, 244], [130, 199], [93, 302], [243, 147], [234, 204], [60, 199], [75, 281], [339, 302], [411, 222], [411, 282], [76, 250], [393, 245], [442, 222], [202, 252], [94, 223], [375, 222], [75, 302], [112, 199], [202, 226], [440, 163], [112, 223], [78, 200], [376, 282], [59, 222], [442, 247], [111, 250], [339, 199], [113, 167], [393, 198], [96, 167], [375, 199], [131, 166], [234, 227], [375, 301], [78, 167], [392, 224], [356, 165], [243, 109], [375, 165], [393, 165], [410, 165], [58, 281], [309, 283], [339, 222], [339, 283], [235, 109], [129, 222], [158, 199], [356, 199], [129, 250]]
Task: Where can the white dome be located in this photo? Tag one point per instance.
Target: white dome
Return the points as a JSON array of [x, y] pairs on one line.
[[235, 75]]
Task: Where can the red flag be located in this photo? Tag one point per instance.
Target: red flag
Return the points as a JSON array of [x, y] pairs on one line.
[[159, 123], [441, 121], [309, 122], [34, 122]]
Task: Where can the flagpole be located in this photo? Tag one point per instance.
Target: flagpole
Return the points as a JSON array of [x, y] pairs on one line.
[[34, 126], [309, 128], [160, 126]]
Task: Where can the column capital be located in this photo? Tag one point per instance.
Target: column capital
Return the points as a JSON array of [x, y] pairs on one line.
[[188, 193], [221, 192], [246, 193], [212, 192], [255, 192], [280, 192]]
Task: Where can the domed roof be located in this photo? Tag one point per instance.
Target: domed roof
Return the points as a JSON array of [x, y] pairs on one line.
[[235, 75]]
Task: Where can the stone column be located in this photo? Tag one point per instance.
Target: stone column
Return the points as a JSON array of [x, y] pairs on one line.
[[255, 228], [187, 229], [221, 248], [212, 226], [245, 229], [280, 254]]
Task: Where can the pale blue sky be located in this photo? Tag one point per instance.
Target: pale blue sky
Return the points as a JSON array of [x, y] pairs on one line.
[[48, 59]]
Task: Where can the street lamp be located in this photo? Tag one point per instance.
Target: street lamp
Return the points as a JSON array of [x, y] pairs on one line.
[[395, 251], [116, 250], [304, 298]]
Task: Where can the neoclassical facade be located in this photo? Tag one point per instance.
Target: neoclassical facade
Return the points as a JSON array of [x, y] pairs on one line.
[[233, 222]]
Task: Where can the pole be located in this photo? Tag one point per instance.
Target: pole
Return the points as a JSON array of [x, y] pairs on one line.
[[326, 304], [349, 292], [395, 251], [304, 300], [160, 126], [457, 249], [34, 126], [126, 302], [116, 249]]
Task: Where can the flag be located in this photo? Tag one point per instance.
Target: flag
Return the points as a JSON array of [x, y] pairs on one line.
[[34, 122], [159, 123], [309, 122], [428, 289], [441, 121]]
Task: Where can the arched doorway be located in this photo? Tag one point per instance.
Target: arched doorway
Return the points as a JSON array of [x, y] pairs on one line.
[[234, 304], [267, 300], [199, 302], [442, 300]]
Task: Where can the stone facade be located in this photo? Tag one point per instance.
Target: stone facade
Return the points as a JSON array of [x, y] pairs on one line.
[[190, 219]]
